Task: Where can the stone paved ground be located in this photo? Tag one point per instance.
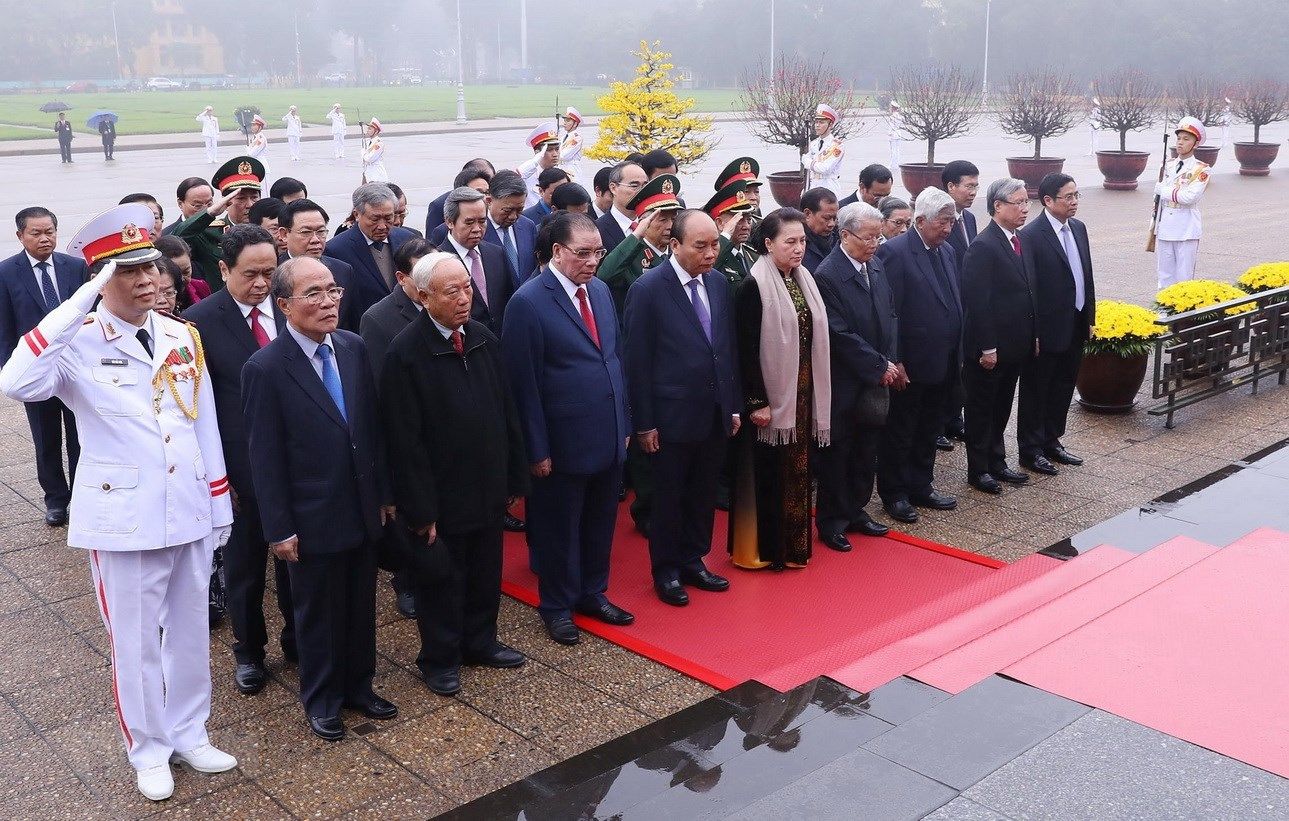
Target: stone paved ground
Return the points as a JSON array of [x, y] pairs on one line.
[[60, 751]]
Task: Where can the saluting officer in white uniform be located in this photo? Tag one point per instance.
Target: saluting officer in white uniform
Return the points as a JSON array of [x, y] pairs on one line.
[[151, 500], [338, 126], [1177, 226], [545, 144], [259, 140], [570, 148], [209, 132], [823, 159], [374, 154], [294, 128]]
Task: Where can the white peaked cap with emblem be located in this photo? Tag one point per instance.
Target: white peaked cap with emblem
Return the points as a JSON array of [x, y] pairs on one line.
[[122, 233], [1192, 126], [573, 113], [826, 112]]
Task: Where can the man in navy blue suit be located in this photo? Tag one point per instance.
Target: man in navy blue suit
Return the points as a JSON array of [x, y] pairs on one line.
[[32, 283], [370, 249], [476, 169], [507, 227], [625, 181], [685, 398], [490, 275], [961, 181], [323, 489], [561, 345], [925, 294]]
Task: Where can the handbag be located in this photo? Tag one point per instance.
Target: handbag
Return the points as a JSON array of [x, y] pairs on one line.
[[873, 406]]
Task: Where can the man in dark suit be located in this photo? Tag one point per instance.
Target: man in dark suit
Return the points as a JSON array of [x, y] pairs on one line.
[[999, 333], [820, 207], [547, 181], [1061, 261], [875, 182], [961, 181], [625, 181], [370, 250], [561, 346], [682, 378], [507, 227], [302, 227], [234, 323], [924, 288], [492, 281], [63, 129], [320, 478], [862, 340], [476, 169], [32, 283]]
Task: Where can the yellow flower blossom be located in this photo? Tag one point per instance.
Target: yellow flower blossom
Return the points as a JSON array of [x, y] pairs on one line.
[[1265, 277], [1194, 294], [1122, 329]]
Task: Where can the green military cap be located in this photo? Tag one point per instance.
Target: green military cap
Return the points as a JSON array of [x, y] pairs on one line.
[[239, 172], [662, 193], [730, 199], [744, 168]]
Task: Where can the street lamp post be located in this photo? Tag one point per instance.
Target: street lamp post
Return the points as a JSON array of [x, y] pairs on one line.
[[116, 41], [771, 43], [461, 118], [984, 77]]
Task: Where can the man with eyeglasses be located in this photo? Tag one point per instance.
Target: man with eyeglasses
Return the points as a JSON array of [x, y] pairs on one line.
[[625, 181], [1000, 334], [961, 181], [239, 182], [370, 250], [302, 226], [466, 213], [318, 462]]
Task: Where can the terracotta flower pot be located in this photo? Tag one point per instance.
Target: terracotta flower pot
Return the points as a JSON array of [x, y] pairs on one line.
[[1033, 169], [1256, 158], [919, 175], [1122, 168], [787, 187], [1108, 383]]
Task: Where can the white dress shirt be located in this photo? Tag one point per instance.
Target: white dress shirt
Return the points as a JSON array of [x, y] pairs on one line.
[[685, 278], [623, 220], [40, 283], [501, 233], [570, 288], [445, 330], [1071, 256], [267, 322]]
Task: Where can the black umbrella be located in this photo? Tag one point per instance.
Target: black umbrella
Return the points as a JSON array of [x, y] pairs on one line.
[[55, 106]]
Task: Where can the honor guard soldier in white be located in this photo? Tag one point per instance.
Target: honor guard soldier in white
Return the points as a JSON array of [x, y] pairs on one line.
[[338, 126], [823, 159], [544, 142], [570, 149], [151, 500], [374, 154], [1178, 228]]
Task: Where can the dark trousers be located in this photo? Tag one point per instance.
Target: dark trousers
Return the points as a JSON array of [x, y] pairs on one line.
[[245, 560], [457, 581], [906, 455], [335, 627], [65, 150], [107, 147], [48, 421], [640, 471], [685, 475], [955, 401], [990, 394], [570, 532], [1046, 389], [845, 472]]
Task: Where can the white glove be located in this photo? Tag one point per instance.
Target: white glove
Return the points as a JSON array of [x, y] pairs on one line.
[[222, 534], [105, 273]]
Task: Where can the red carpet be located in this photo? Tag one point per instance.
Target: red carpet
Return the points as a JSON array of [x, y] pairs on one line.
[[787, 628]]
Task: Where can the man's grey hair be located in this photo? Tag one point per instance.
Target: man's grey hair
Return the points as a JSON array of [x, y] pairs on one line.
[[618, 170], [856, 214], [931, 203], [373, 194], [507, 185], [282, 285], [1002, 190], [889, 205], [452, 205], [423, 270]]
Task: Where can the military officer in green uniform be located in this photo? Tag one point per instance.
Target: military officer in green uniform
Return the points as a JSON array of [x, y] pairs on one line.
[[748, 171], [732, 210], [653, 207], [238, 182]]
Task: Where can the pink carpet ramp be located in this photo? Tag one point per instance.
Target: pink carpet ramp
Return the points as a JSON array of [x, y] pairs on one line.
[[1202, 656], [986, 655]]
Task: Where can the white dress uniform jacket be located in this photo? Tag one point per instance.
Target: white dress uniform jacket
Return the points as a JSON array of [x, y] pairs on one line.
[[530, 171], [570, 155], [293, 125], [1179, 195], [209, 125], [374, 161], [823, 160], [259, 143]]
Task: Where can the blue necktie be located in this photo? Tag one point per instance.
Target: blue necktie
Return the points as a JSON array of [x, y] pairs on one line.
[[331, 379], [47, 288], [511, 254], [704, 318]]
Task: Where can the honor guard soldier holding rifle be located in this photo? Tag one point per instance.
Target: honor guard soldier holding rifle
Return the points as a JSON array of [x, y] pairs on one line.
[[151, 500], [1177, 219], [822, 161]]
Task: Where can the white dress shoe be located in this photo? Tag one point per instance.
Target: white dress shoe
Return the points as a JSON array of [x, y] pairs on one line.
[[205, 759], [156, 782]]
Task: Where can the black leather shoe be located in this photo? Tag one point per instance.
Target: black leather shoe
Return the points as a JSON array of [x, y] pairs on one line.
[[1059, 454], [935, 500], [957, 431], [943, 443], [672, 593], [1010, 476], [836, 541], [513, 524], [56, 517], [328, 728], [444, 682], [563, 631], [250, 678], [868, 527], [609, 613], [406, 604], [901, 511], [705, 580], [500, 656], [986, 484], [290, 653], [373, 706], [1040, 464]]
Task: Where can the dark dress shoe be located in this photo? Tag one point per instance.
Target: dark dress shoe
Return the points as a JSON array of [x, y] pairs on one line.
[[215, 613], [444, 682], [958, 431], [1040, 464], [373, 706], [943, 443], [607, 612], [406, 604], [1010, 476], [901, 511], [935, 500], [672, 593], [250, 678], [328, 728], [56, 517], [1056, 454], [499, 655], [986, 484], [290, 653], [563, 631], [513, 524], [868, 527], [705, 580], [836, 541]]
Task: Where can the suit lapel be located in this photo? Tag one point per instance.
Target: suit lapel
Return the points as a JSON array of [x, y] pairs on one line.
[[923, 257], [63, 278], [561, 299], [303, 373], [28, 277], [167, 340], [1050, 237], [680, 294], [236, 323], [347, 366], [365, 259]]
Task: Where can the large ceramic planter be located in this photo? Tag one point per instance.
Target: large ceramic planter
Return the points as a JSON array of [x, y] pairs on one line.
[[1033, 169], [1206, 154], [1122, 168], [919, 175], [1256, 158], [787, 187], [1108, 383]]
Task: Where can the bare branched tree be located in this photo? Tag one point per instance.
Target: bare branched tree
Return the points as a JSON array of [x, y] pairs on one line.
[[1039, 105], [780, 110], [936, 103], [1262, 102], [1200, 97], [1131, 100]]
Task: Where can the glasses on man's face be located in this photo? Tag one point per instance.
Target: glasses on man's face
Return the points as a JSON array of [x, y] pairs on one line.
[[586, 254], [632, 186], [169, 293], [899, 223], [320, 296], [1073, 196], [1019, 203], [305, 233]]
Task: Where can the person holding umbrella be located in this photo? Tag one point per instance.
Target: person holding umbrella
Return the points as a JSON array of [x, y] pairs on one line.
[[63, 128], [107, 131]]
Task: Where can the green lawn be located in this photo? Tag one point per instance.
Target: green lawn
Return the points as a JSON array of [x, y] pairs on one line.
[[157, 112]]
